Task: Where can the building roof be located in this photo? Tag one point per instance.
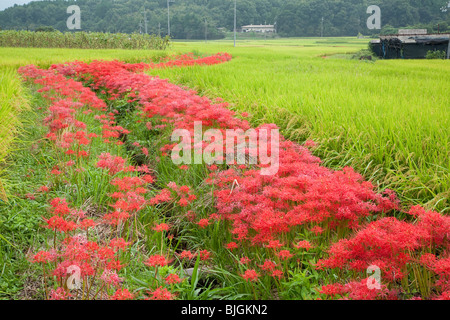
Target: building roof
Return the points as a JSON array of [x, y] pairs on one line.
[[259, 26], [416, 38]]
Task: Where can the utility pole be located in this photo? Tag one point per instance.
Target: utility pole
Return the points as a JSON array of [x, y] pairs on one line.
[[206, 30], [321, 29], [140, 27], [235, 23], [159, 29], [145, 21], [168, 17]]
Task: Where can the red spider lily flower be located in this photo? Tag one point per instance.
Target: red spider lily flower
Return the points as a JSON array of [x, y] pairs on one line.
[[160, 294], [205, 255], [83, 154], [359, 290], [268, 266], [30, 196], [303, 245], [114, 265], [145, 151], [245, 260], [59, 294], [92, 135], [70, 163], [161, 227], [317, 230], [148, 178], [231, 246], [186, 255], [214, 216], [116, 217], [213, 167], [274, 244], [117, 195], [110, 277], [250, 275], [44, 257], [55, 171], [122, 294], [114, 164], [87, 223], [106, 253], [277, 274], [183, 202], [156, 261], [60, 207], [310, 144], [140, 190], [119, 243], [203, 223], [172, 185], [332, 289], [184, 167], [163, 196], [59, 224], [173, 279], [43, 189], [184, 189], [284, 254]]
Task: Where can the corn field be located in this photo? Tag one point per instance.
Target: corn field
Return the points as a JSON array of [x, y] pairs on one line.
[[82, 40]]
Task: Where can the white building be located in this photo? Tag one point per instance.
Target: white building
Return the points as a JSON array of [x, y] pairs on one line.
[[263, 28]]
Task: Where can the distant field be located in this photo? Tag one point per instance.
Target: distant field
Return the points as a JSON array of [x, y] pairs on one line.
[[388, 119]]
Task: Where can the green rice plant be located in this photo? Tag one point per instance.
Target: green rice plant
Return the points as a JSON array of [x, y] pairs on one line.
[[13, 100]]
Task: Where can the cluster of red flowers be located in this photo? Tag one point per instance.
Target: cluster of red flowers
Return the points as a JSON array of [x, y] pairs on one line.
[[399, 249], [96, 266], [71, 101], [89, 264]]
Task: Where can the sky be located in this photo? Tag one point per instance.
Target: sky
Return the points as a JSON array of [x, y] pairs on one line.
[[9, 3]]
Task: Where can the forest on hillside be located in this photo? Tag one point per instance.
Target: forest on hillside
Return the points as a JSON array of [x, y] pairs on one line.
[[190, 19]]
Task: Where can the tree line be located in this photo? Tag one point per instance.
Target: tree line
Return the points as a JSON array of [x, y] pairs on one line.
[[195, 19]]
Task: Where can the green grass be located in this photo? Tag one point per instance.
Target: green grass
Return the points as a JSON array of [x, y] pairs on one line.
[[388, 119]]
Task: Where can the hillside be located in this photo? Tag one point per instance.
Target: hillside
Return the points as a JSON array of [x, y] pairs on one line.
[[292, 17]]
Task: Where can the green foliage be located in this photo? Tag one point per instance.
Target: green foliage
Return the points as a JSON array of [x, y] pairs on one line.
[[81, 40], [436, 54], [388, 29], [45, 29]]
